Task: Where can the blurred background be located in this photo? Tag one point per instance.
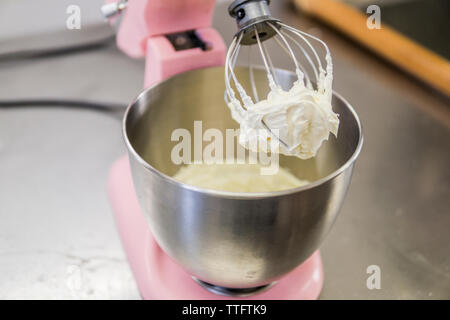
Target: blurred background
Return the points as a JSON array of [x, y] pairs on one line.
[[57, 234]]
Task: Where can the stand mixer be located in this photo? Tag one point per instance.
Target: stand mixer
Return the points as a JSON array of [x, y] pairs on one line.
[[185, 242]]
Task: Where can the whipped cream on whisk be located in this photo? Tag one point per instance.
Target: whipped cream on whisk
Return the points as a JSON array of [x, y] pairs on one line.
[[300, 118]]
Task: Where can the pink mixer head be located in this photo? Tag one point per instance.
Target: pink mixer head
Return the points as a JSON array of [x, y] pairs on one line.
[[144, 18], [151, 29]]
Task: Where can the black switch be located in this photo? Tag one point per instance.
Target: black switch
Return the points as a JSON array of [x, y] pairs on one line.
[[186, 40]]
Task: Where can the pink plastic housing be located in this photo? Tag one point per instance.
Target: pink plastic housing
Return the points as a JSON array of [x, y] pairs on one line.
[[143, 19], [144, 24]]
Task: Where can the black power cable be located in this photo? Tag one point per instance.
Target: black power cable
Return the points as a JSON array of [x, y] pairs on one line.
[[99, 106], [56, 51]]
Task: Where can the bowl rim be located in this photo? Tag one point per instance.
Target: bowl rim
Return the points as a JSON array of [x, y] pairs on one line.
[[231, 194]]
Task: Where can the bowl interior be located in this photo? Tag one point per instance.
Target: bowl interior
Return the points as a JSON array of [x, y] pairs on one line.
[[199, 95]]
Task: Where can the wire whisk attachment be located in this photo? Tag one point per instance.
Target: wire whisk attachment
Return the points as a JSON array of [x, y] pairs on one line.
[[299, 118]]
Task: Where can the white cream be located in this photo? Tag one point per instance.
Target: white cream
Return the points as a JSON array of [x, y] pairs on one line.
[[237, 178], [302, 117]]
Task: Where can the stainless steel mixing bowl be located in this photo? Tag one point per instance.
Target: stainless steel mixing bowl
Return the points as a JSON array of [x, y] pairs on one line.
[[232, 240]]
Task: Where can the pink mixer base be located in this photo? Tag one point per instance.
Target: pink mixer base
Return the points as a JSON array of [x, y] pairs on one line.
[[159, 277]]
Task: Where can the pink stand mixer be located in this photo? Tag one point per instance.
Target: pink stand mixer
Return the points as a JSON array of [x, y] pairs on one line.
[[186, 243]]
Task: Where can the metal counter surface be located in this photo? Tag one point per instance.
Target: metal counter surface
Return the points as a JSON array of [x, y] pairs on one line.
[[57, 234]]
